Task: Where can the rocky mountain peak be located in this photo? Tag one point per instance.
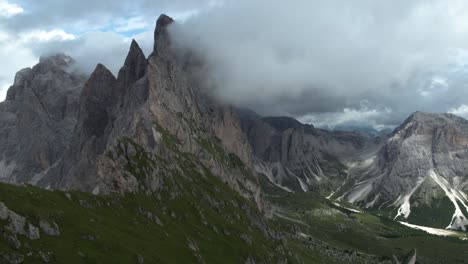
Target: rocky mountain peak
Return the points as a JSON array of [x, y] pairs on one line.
[[98, 87], [58, 60], [101, 70], [41, 111], [135, 65], [161, 34], [162, 22], [96, 99], [434, 118], [422, 123], [47, 65]]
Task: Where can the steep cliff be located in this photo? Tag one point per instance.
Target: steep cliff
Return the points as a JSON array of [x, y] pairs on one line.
[[37, 119]]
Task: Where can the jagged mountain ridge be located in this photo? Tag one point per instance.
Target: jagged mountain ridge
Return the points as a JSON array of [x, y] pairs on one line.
[[146, 92], [95, 115], [420, 165], [154, 125], [417, 174], [153, 130], [299, 157]]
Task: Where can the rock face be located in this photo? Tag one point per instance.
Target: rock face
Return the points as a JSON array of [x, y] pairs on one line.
[[37, 118], [156, 109], [116, 134], [420, 173], [299, 157]]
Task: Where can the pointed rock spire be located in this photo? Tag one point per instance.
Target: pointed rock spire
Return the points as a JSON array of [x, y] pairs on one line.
[[161, 35], [97, 101], [134, 67]]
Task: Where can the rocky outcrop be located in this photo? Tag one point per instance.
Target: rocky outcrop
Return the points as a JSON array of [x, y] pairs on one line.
[[134, 67], [17, 224], [50, 229]]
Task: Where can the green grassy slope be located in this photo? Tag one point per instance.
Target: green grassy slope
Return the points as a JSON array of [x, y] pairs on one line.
[[194, 217], [317, 218], [121, 229]]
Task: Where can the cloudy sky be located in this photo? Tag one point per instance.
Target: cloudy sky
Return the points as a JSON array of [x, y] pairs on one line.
[[363, 62]]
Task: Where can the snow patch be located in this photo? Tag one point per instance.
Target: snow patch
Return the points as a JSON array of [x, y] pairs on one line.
[[434, 231], [291, 219], [347, 208], [371, 203], [96, 190], [459, 220], [404, 202], [361, 190], [304, 186]]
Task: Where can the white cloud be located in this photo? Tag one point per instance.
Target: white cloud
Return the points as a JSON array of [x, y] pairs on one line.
[[185, 15], [436, 85], [17, 53], [134, 23], [309, 56], [462, 111], [8, 9], [44, 36], [15, 56], [362, 116]]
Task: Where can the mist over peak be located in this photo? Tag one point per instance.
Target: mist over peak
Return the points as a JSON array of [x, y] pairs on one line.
[[325, 58]]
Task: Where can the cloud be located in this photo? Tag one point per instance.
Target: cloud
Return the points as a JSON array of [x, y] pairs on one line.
[[462, 111], [83, 15], [315, 60], [89, 49], [45, 36], [8, 9], [91, 31], [363, 116], [133, 23], [322, 58], [15, 56]]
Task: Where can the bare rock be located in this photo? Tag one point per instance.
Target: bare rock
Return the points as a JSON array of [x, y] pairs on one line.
[[50, 229], [12, 257]]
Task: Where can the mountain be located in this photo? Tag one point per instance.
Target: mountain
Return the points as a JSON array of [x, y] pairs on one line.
[[420, 174], [153, 133], [151, 101], [299, 157], [417, 174], [37, 118], [148, 167]]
